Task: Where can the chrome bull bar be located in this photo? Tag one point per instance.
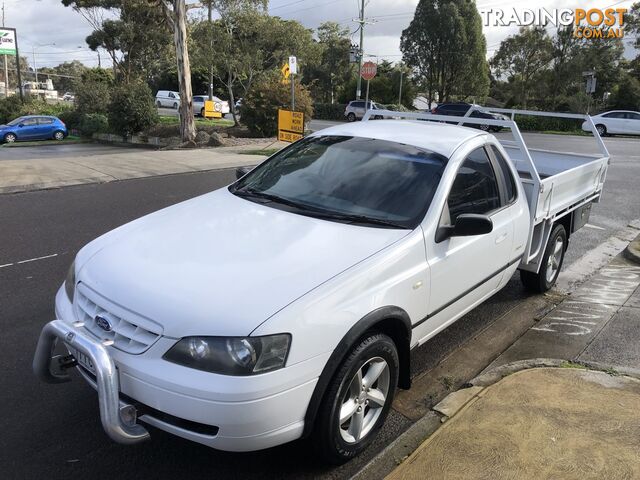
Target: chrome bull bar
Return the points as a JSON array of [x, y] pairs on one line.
[[52, 369]]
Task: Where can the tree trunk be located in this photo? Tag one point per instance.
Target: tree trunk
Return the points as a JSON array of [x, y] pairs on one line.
[[232, 101], [187, 123]]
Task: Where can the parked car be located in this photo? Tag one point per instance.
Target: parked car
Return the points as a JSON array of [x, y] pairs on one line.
[[616, 122], [33, 127], [68, 97], [286, 305], [459, 109], [167, 99], [355, 110], [218, 105]]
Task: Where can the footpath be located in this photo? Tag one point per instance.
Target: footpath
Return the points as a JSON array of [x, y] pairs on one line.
[[562, 402], [98, 164]]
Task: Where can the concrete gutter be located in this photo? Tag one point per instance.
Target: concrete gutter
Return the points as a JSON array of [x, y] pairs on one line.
[[632, 252]]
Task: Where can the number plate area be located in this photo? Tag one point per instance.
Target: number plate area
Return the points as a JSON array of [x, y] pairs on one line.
[[82, 359]]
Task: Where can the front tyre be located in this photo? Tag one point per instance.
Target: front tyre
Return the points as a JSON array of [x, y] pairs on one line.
[[10, 138], [551, 263], [602, 130], [351, 117], [357, 400]]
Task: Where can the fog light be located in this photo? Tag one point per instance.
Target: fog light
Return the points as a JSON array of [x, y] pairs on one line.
[[129, 415]]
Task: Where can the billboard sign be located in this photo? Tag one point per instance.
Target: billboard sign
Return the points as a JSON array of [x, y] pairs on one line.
[[7, 41]]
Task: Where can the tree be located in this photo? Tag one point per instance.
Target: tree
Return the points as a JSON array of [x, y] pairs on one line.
[[137, 41], [246, 43], [522, 58], [331, 75], [446, 49], [626, 95], [66, 75]]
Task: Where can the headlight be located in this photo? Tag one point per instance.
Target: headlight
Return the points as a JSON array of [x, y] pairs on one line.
[[232, 355], [70, 281]]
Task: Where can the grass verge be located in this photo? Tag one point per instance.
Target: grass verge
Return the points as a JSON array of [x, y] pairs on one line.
[[38, 143]]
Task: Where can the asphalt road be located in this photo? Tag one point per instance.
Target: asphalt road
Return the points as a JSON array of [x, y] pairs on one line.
[[53, 431], [61, 150]]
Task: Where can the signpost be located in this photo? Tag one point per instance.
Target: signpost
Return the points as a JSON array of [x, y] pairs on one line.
[[290, 126], [369, 70], [293, 70], [9, 46], [210, 110]]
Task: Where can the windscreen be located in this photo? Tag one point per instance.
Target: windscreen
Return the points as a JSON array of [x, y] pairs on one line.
[[349, 179]]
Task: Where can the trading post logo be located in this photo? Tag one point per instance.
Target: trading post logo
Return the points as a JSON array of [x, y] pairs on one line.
[[592, 23]]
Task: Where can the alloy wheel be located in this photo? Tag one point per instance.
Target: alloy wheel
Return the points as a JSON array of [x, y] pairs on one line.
[[364, 400], [553, 263]]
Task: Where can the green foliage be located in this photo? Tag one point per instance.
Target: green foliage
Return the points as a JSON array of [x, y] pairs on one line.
[[66, 75], [267, 95], [626, 95], [71, 118], [91, 123], [132, 109], [543, 124], [329, 77], [93, 92], [445, 47], [329, 111], [385, 86], [11, 108]]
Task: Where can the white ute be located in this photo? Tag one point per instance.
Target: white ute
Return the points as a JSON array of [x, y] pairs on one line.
[[286, 305]]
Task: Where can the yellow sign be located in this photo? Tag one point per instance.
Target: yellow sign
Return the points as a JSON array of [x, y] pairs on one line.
[[290, 126], [210, 110], [286, 71]]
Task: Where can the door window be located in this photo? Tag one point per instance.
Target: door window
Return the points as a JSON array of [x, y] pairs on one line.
[[45, 121], [614, 115], [510, 184], [28, 122], [475, 189]]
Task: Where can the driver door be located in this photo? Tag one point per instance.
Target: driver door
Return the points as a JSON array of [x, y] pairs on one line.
[[465, 270]]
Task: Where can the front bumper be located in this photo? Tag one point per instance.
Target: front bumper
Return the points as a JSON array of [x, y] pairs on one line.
[[53, 370], [222, 412]]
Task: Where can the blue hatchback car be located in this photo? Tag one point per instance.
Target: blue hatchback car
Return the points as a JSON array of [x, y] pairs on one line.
[[33, 127]]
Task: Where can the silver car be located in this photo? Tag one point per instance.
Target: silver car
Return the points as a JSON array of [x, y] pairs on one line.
[[218, 105], [356, 109]]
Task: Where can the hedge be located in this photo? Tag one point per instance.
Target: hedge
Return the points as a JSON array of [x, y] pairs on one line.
[[544, 124], [329, 111]]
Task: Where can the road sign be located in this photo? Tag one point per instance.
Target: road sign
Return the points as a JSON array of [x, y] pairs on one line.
[[369, 70], [290, 125], [210, 110], [7, 41], [293, 65], [286, 71]]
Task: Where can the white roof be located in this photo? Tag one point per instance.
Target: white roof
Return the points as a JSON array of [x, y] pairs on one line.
[[440, 138]]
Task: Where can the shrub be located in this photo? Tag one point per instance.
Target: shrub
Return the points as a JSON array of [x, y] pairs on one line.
[[329, 111], [10, 108], [93, 92], [71, 118], [268, 94], [131, 109], [541, 124], [91, 123]]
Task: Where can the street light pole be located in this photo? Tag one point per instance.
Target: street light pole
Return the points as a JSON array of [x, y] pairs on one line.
[[361, 21]]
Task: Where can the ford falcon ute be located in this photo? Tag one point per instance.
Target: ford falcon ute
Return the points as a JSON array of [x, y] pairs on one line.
[[286, 305]]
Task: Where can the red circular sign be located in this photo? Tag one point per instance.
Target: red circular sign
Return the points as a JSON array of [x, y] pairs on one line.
[[369, 70]]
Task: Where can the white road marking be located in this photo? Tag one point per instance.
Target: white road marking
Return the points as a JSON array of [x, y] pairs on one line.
[[588, 225], [29, 260]]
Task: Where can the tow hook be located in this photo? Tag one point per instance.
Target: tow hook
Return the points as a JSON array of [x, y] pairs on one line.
[[67, 361]]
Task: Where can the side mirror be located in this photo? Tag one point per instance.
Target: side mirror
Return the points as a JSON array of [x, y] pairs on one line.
[[242, 171], [467, 225], [21, 125]]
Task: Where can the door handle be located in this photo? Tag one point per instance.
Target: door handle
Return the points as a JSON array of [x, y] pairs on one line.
[[501, 238]]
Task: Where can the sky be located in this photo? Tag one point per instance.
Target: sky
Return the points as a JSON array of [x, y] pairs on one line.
[[55, 33]]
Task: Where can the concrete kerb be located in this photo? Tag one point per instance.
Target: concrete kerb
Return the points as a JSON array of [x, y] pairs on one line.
[[632, 252], [401, 448]]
